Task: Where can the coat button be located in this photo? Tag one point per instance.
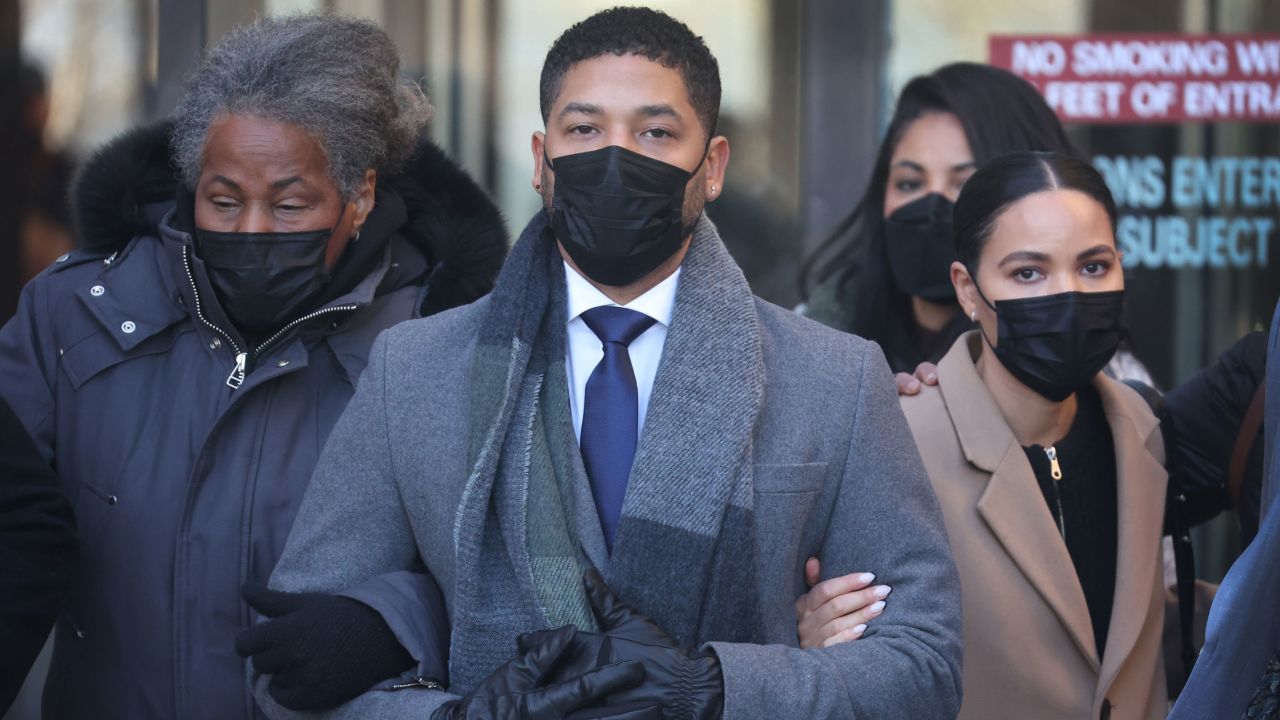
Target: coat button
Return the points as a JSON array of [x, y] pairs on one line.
[[282, 363], [127, 326], [214, 344], [97, 290], [63, 258], [1106, 710]]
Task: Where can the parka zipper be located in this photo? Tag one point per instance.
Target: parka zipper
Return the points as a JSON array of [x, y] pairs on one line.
[[236, 378], [421, 682], [305, 318]]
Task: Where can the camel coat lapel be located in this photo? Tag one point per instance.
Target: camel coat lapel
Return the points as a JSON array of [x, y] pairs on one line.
[[1141, 482], [1012, 506]]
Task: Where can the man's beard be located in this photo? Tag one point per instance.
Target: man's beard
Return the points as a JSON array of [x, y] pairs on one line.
[[695, 198]]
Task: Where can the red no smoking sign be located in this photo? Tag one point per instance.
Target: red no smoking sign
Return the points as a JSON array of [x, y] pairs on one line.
[[1149, 78]]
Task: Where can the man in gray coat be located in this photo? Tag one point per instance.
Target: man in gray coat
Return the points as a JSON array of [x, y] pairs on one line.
[[621, 403]]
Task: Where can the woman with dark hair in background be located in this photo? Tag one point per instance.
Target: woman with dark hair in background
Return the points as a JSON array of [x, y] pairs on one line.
[[1049, 473], [884, 274]]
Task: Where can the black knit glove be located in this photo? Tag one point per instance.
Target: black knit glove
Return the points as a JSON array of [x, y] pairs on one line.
[[685, 685], [320, 650], [519, 690]]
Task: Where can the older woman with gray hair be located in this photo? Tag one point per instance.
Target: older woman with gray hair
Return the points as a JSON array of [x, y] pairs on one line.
[[183, 367]]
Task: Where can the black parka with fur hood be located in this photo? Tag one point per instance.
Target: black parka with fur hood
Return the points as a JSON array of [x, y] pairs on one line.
[[184, 486]]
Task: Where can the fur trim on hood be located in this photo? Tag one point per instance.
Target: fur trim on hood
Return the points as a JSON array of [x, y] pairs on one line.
[[450, 219]]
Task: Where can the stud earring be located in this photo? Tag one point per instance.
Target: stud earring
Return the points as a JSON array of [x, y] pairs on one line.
[[537, 186], [974, 316]]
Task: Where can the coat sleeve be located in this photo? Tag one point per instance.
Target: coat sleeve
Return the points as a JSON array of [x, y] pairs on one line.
[[28, 364], [886, 519], [1205, 414], [38, 552], [351, 527]]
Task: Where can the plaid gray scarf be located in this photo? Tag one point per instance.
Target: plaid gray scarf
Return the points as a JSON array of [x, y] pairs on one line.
[[684, 548]]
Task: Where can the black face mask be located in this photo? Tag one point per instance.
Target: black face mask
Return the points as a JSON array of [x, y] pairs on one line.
[[263, 279], [920, 247], [1057, 344], [619, 214]]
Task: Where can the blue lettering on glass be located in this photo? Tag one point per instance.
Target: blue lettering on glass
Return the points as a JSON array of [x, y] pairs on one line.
[[1202, 232]]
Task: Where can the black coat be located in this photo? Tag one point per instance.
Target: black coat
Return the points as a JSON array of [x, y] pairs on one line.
[[185, 487], [1206, 412], [37, 552]]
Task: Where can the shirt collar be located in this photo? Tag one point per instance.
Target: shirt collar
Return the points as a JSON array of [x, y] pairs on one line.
[[658, 302]]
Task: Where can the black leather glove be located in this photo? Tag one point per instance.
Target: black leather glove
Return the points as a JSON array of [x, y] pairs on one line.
[[519, 690], [685, 685], [320, 650]]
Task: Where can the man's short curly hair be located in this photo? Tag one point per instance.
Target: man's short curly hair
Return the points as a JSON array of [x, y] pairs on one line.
[[637, 31]]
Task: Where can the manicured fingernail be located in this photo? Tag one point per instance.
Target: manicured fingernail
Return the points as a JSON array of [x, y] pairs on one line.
[[876, 607], [866, 578], [933, 377], [858, 630], [882, 591], [913, 386]]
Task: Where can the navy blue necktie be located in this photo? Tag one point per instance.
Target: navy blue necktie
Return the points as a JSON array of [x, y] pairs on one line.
[[610, 412]]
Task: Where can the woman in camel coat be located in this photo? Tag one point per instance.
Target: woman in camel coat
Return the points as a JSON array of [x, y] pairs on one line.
[[1049, 474]]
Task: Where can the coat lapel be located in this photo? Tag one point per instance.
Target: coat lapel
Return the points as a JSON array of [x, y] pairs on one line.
[[1141, 481], [1014, 509], [1011, 504]]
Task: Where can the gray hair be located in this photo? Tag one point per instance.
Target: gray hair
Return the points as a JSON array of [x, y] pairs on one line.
[[335, 77]]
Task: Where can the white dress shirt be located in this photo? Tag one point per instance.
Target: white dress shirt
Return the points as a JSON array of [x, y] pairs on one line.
[[584, 351]]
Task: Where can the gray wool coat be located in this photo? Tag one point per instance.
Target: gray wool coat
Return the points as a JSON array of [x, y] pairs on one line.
[[837, 475]]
